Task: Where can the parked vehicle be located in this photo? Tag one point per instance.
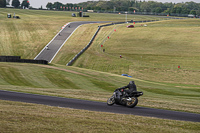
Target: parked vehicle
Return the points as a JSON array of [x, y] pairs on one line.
[[73, 15], [121, 98], [130, 26], [126, 75]]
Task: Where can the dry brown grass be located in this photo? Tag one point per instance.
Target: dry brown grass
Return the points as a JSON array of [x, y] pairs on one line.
[[87, 84], [23, 117]]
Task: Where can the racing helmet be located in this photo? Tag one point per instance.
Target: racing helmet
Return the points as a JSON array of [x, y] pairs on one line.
[[131, 82]]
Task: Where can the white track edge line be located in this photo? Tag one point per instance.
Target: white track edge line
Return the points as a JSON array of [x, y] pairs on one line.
[[63, 44], [50, 41]]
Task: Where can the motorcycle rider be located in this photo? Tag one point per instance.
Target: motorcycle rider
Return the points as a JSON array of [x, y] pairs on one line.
[[131, 88]]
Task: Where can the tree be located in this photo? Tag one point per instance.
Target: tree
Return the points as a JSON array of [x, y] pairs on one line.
[[193, 12], [185, 10], [57, 5], [15, 3], [49, 6], [145, 7], [158, 10], [25, 4], [2, 3], [198, 12], [137, 5]]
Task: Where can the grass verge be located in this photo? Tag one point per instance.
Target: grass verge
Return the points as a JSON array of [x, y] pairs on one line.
[[41, 118], [73, 82], [27, 36]]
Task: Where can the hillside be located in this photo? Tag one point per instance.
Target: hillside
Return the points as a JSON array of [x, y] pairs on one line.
[[36, 28], [150, 54], [73, 82]]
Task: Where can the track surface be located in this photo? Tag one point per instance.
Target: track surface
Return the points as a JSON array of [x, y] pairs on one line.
[[58, 41], [48, 54], [97, 106]]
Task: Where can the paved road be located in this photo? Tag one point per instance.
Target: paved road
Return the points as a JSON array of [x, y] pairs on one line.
[[97, 106], [59, 40]]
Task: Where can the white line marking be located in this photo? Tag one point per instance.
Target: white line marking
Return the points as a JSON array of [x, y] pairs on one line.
[[63, 44], [50, 41]]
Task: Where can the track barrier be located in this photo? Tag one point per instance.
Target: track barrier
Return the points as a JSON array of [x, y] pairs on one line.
[[89, 44], [18, 59]]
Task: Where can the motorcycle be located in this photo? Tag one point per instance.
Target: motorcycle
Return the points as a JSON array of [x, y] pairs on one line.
[[121, 98]]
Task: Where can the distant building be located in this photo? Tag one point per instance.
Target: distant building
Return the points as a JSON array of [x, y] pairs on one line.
[[9, 6], [90, 10], [191, 16]]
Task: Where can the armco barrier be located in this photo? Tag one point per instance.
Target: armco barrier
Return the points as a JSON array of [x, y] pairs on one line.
[[84, 49], [18, 59], [9, 58]]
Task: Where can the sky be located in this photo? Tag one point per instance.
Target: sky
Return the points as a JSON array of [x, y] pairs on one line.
[[43, 3]]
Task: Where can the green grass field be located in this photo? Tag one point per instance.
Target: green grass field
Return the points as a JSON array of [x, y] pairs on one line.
[[150, 54], [73, 82], [36, 28], [23, 117], [155, 62]]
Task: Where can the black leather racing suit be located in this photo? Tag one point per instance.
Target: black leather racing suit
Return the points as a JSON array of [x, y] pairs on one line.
[[131, 87]]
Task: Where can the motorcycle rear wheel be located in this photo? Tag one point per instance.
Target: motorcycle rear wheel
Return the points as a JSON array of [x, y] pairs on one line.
[[132, 103], [110, 101]]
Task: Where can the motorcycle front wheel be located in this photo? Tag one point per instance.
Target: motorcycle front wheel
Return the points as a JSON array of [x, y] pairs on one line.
[[110, 101], [132, 103]]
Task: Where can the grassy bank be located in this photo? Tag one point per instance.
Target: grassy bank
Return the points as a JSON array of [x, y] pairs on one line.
[[75, 43], [40, 118], [88, 84], [150, 54], [27, 36]]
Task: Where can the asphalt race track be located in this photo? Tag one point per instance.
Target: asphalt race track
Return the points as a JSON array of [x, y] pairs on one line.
[[49, 54], [59, 40], [97, 106]]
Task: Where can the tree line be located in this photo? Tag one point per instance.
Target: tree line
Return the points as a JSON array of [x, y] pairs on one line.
[[3, 3], [131, 6], [15, 3], [118, 6]]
